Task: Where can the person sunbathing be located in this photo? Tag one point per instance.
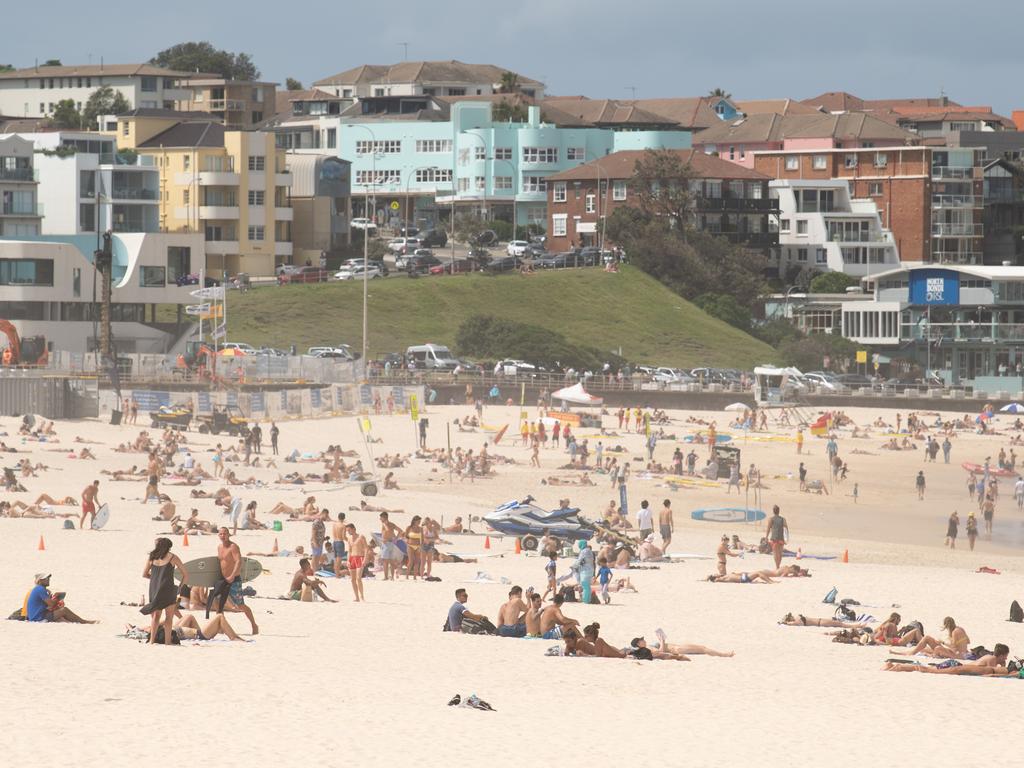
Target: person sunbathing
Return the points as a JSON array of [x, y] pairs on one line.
[[955, 648], [85, 453], [789, 571], [990, 665], [657, 653], [390, 484], [592, 644], [21, 509], [800, 620], [649, 551], [364, 507], [166, 511], [283, 509], [299, 551], [683, 649], [67, 501], [455, 527], [888, 633], [188, 628], [753, 577]]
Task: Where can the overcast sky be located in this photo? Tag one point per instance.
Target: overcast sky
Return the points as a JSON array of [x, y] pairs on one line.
[[752, 49]]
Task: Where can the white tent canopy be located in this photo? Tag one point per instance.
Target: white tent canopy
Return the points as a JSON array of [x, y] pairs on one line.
[[576, 395]]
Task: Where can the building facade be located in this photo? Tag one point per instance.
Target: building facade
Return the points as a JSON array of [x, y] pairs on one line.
[[35, 91], [20, 213], [321, 200], [729, 200], [238, 104]]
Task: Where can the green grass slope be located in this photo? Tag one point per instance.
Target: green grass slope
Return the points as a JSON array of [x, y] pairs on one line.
[[607, 311]]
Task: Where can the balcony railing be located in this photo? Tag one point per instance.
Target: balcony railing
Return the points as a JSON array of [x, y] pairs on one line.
[[17, 174], [956, 201], [964, 331], [946, 172], [231, 105], [11, 209], [956, 257], [736, 204], [957, 230], [133, 193]]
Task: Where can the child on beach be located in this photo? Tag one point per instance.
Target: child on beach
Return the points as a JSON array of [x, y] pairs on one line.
[[550, 569], [604, 576]]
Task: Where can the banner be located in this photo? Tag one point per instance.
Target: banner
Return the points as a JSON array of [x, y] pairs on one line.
[[414, 408]]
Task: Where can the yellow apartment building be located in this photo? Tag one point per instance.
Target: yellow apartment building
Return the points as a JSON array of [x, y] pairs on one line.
[[239, 104], [230, 185]]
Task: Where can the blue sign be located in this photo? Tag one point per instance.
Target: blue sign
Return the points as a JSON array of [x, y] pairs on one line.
[[365, 395], [314, 398], [203, 403], [934, 286], [257, 402], [284, 399], [150, 401], [232, 399]]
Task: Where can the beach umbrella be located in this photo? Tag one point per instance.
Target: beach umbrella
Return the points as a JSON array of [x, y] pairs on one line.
[[738, 407], [1012, 408]]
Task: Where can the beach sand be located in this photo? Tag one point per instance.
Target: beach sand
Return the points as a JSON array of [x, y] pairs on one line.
[[369, 682]]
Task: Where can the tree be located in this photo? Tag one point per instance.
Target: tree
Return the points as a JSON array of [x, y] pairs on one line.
[[52, 63], [292, 84], [103, 101], [509, 83], [719, 93], [6, 67], [494, 338], [726, 309], [505, 111], [833, 282], [661, 183], [809, 352], [66, 115], [203, 57]]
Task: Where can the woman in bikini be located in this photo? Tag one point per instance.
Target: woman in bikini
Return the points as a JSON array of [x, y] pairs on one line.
[[888, 633], [413, 545], [802, 621], [431, 533], [754, 577], [955, 648]]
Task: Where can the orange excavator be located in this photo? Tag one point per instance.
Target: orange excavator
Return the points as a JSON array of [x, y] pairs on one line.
[[27, 351]]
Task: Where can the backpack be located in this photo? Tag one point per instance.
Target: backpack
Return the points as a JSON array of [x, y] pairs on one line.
[[1016, 612], [175, 640], [845, 612], [831, 596]]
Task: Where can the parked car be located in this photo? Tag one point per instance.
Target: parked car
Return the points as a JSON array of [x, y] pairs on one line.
[[401, 245], [903, 383], [854, 380], [271, 352], [335, 354], [470, 367], [421, 265], [672, 375], [408, 231], [510, 367], [341, 350], [503, 264], [822, 380], [454, 268], [286, 269], [364, 224], [517, 247], [403, 259], [357, 272], [305, 275], [433, 238]]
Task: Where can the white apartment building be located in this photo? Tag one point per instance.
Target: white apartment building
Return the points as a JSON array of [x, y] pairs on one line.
[[822, 227], [424, 78], [84, 185], [20, 213], [35, 91]]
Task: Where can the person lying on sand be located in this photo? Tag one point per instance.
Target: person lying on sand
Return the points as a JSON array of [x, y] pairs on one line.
[[888, 633], [364, 507], [188, 628], [993, 664], [67, 501], [166, 511], [583, 480], [591, 644], [683, 649], [789, 571], [802, 621], [658, 653], [299, 551], [21, 509], [753, 577]]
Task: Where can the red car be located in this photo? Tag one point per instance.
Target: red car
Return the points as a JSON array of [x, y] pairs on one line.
[[460, 265], [305, 275]]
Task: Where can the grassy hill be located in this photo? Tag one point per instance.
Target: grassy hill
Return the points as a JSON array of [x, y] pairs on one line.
[[628, 310]]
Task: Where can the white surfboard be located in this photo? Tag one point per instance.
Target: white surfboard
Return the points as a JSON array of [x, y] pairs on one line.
[[101, 518]]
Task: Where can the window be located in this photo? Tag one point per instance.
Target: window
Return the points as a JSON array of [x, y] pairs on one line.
[[618, 190], [875, 189], [256, 196], [534, 184], [149, 84], [332, 138], [479, 153], [479, 183], [503, 182], [387, 147], [87, 217], [383, 177], [801, 254], [820, 256], [463, 185], [152, 277], [257, 162], [76, 282], [881, 159], [186, 194], [801, 227], [42, 108], [186, 161], [783, 225], [257, 117], [792, 163], [168, 82], [500, 153], [540, 154], [819, 162], [179, 260], [558, 225], [559, 192], [576, 153], [590, 200], [378, 91], [732, 153], [850, 160], [962, 126], [26, 272], [755, 191], [456, 91], [255, 231], [433, 146], [429, 175], [346, 93]]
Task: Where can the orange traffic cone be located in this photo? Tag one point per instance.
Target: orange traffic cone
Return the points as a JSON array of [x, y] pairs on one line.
[[42, 544], [487, 542], [275, 545], [184, 543], [519, 545], [846, 555]]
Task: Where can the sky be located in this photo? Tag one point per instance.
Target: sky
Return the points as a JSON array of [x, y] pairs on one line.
[[661, 48]]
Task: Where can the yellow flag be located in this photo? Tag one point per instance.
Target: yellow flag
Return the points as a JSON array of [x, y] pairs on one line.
[[414, 408]]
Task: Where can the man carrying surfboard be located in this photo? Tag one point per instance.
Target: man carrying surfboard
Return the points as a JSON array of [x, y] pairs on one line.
[[230, 558], [90, 498]]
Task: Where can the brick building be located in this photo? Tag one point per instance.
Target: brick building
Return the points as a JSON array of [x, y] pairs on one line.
[[729, 200]]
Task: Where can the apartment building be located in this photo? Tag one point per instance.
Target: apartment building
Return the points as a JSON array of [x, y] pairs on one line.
[[85, 185], [729, 200], [417, 158], [1004, 213], [239, 105], [231, 186], [427, 78], [822, 226], [20, 213], [321, 200], [35, 91]]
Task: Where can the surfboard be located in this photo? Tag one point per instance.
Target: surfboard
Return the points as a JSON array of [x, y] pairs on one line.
[[500, 434], [205, 571], [719, 439], [994, 471], [727, 515], [101, 518]]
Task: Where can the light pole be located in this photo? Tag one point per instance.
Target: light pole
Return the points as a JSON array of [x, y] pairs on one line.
[[366, 238], [512, 169]]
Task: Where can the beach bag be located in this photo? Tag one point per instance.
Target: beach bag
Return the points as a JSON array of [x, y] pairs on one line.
[[175, 640], [831, 596], [481, 627], [1016, 612], [846, 613]]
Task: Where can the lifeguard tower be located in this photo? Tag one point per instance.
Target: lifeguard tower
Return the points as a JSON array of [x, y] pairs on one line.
[[778, 389]]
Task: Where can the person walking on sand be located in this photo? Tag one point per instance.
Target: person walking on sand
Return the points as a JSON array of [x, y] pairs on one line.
[[803, 477], [777, 532], [972, 529], [229, 588], [951, 530], [988, 509], [946, 448], [357, 549], [919, 483], [666, 525], [163, 594], [645, 520], [274, 432], [317, 534], [90, 498], [800, 440]]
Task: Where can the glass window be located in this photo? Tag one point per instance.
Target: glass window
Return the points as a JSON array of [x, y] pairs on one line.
[[26, 272], [256, 162], [87, 217], [500, 153], [801, 227], [590, 200], [179, 259], [559, 192], [576, 153], [479, 153], [152, 277], [503, 182], [256, 196], [558, 226], [256, 232], [149, 84], [534, 184], [783, 225], [540, 154], [618, 190], [819, 163], [875, 188], [792, 163], [850, 160], [881, 159]]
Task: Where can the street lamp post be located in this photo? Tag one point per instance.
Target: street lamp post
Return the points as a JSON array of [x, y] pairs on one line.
[[366, 239]]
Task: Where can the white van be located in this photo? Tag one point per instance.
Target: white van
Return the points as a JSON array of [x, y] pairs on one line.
[[434, 356]]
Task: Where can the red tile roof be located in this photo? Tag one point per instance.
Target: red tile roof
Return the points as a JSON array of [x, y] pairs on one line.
[[621, 165]]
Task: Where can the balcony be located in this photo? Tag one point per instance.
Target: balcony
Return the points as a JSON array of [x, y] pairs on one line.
[[957, 230], [956, 201], [946, 172], [218, 179], [134, 193], [282, 248], [221, 247], [955, 257], [17, 174], [207, 212], [711, 204], [12, 209], [964, 331], [283, 213], [229, 105]]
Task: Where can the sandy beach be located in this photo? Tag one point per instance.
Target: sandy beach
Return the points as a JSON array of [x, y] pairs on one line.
[[365, 682]]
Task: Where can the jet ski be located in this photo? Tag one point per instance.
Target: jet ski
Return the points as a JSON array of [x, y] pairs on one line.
[[524, 518]]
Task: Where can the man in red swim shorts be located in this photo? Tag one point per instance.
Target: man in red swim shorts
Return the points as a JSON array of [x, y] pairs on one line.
[[777, 532], [90, 498], [357, 549]]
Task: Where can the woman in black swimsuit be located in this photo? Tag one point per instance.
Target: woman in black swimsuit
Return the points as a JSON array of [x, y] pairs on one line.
[[163, 595]]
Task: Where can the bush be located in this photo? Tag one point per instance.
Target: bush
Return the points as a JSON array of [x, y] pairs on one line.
[[833, 282], [492, 338], [725, 308], [809, 352]]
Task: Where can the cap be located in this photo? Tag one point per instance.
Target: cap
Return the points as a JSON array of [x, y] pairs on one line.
[[635, 642], [42, 576]]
